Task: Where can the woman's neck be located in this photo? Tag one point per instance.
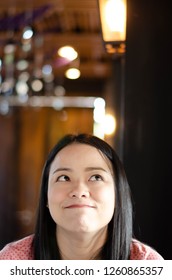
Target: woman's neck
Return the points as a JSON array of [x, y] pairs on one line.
[[80, 246]]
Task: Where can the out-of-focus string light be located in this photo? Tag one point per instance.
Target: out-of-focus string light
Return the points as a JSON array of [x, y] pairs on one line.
[[59, 91], [22, 65], [22, 88], [72, 73], [27, 33], [104, 124], [26, 47], [37, 85], [109, 124], [68, 52], [99, 110], [98, 115], [7, 86], [24, 76], [47, 72], [47, 69], [9, 48]]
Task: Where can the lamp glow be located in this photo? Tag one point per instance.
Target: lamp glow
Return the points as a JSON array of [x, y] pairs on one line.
[[113, 15]]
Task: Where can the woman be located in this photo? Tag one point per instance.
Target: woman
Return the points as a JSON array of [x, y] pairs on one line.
[[85, 209]]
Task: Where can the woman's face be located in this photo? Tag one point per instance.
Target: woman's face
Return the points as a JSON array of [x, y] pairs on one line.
[[81, 191]]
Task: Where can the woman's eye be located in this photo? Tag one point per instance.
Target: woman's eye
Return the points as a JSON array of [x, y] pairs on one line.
[[63, 178], [96, 178]]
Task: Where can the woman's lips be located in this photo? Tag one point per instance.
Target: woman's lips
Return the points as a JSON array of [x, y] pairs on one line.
[[79, 206]]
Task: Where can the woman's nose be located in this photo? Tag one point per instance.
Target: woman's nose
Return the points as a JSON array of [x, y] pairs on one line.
[[79, 192]]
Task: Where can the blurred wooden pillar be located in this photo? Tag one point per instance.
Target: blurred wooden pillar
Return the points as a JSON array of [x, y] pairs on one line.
[[147, 150]]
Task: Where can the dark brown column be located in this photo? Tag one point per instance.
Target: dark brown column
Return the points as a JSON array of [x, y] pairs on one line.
[[147, 135]]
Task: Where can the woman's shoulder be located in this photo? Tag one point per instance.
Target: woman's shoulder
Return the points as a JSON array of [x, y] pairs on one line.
[[141, 251], [18, 250]]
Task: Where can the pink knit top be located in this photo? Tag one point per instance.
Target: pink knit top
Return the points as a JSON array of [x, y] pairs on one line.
[[22, 250]]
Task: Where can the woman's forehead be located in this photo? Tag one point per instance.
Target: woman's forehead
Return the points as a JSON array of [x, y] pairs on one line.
[[78, 153]]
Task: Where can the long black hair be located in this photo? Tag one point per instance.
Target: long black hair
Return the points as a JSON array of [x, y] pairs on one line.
[[117, 246]]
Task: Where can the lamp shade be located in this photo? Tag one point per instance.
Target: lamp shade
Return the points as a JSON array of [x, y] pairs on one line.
[[113, 15]]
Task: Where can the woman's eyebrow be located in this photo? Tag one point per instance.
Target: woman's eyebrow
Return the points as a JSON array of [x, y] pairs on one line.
[[62, 169], [91, 168], [95, 168]]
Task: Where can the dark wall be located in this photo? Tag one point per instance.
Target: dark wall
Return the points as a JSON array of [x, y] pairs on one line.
[[148, 107]]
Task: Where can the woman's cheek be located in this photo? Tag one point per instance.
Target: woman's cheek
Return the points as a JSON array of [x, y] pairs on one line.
[[102, 194], [56, 194]]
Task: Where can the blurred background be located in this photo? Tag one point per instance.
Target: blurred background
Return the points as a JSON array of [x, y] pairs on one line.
[[119, 89]]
